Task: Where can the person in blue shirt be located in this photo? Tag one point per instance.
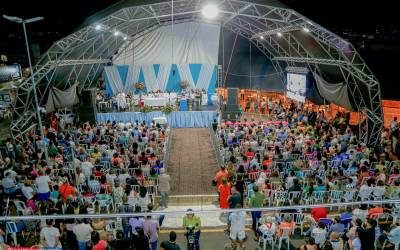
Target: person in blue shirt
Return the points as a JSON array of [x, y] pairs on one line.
[[337, 226], [320, 185], [393, 236], [346, 216]]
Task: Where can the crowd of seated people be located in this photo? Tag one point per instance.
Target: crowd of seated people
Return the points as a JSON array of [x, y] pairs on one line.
[[112, 167], [300, 157]]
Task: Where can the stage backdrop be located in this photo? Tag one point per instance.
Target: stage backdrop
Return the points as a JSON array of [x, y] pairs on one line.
[[164, 77]]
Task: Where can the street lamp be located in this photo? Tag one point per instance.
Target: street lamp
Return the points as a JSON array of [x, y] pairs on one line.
[[25, 21]]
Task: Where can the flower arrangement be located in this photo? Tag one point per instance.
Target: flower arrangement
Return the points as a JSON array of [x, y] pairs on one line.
[[139, 85], [184, 84]]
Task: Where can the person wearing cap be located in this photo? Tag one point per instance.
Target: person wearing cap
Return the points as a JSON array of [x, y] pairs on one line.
[[190, 220]]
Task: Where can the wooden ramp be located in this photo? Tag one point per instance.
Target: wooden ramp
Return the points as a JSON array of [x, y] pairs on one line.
[[192, 163]]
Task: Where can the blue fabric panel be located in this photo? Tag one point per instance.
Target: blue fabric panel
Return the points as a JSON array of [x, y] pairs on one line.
[[123, 73], [108, 88], [211, 87], [141, 79], [156, 69], [174, 80], [195, 71], [176, 119]]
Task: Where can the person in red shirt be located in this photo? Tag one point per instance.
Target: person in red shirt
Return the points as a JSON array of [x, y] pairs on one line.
[[318, 213], [249, 154], [220, 175], [66, 189]]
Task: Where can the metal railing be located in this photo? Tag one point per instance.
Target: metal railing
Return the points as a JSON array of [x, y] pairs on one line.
[[182, 212], [168, 147], [216, 147]]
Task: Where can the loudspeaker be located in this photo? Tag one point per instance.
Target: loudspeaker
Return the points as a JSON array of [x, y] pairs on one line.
[[88, 97], [230, 111], [233, 94], [87, 111]]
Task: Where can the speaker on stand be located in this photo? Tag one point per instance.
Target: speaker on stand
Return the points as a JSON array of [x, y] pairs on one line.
[[230, 108], [87, 110]]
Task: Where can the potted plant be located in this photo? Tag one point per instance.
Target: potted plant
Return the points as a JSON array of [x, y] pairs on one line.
[[139, 85], [184, 84], [146, 109], [167, 109]]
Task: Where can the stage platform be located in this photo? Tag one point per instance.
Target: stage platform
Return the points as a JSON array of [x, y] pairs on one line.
[[176, 119]]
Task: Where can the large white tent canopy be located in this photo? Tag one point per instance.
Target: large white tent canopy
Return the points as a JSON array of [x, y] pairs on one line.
[[122, 31]]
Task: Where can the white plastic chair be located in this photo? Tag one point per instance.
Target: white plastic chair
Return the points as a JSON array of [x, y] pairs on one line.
[[268, 195], [395, 214], [335, 196], [11, 228], [318, 197], [22, 209], [396, 245], [319, 237], [284, 235], [280, 196], [299, 220], [293, 195], [378, 193], [267, 237], [365, 194]]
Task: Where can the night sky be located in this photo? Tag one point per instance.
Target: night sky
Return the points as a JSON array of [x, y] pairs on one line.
[[349, 18]]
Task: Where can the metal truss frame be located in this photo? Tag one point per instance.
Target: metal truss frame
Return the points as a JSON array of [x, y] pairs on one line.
[[81, 56]]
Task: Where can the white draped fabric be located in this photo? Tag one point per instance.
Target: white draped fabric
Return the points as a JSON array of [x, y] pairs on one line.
[[114, 79], [163, 76], [191, 42], [132, 78], [150, 78], [205, 76], [186, 75]]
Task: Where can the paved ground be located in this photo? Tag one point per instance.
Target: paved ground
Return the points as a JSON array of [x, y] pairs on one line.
[[192, 162], [215, 239], [210, 240]]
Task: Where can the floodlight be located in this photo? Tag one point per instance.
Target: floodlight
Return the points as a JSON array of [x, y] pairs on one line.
[[306, 29], [35, 19], [116, 33], [98, 27], [125, 38], [262, 37], [279, 34], [210, 11], [13, 19]]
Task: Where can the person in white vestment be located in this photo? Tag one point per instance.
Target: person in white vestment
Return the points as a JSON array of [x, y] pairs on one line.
[[121, 101]]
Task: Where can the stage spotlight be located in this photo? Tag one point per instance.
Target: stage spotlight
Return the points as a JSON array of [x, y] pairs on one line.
[[306, 29], [116, 33], [98, 27], [210, 11], [279, 34]]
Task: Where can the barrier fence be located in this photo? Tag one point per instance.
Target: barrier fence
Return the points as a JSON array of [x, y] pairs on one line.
[[392, 202]]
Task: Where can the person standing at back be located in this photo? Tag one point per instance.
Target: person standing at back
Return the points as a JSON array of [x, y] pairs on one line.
[[83, 233], [367, 234], [163, 187], [50, 236]]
